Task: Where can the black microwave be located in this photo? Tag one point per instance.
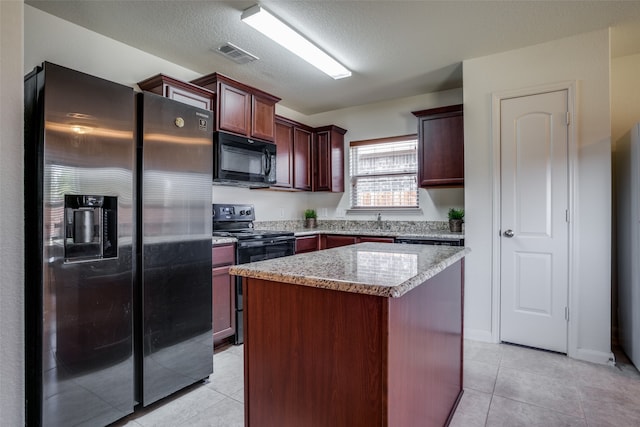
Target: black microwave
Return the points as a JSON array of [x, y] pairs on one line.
[[243, 161]]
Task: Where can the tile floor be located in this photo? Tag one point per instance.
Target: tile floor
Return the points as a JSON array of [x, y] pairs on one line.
[[505, 385]]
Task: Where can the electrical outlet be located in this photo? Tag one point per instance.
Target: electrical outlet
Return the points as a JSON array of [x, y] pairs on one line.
[[281, 213]]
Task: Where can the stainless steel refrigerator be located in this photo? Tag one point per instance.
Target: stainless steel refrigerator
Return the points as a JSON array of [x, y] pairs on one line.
[[113, 304]]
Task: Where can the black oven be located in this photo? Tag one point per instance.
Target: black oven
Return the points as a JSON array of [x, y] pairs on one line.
[[252, 250], [252, 245], [265, 248], [243, 161]]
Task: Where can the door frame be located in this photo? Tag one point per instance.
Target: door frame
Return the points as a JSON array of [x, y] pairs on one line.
[[572, 160]]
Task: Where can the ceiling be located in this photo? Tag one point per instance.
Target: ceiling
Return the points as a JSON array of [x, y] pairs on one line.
[[394, 48]]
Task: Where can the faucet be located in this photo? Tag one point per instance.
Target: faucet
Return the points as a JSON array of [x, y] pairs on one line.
[[379, 220]]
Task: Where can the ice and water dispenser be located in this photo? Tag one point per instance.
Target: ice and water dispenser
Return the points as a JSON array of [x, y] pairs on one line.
[[90, 227]]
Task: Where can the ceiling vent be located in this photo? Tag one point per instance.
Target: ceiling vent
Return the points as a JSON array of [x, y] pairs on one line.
[[234, 53]]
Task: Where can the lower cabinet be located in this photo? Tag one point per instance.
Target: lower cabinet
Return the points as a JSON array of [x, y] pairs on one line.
[[363, 239], [223, 293], [306, 244], [328, 241]]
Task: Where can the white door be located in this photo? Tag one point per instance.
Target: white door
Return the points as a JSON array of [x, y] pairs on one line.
[[534, 220]]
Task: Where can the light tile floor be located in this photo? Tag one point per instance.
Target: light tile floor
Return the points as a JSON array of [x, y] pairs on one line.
[[505, 385]]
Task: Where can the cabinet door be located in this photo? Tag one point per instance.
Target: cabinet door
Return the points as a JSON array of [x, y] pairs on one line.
[[301, 159], [441, 149], [284, 155], [329, 159], [224, 319], [234, 110], [306, 244], [334, 241], [188, 97], [322, 162], [363, 239], [263, 115]]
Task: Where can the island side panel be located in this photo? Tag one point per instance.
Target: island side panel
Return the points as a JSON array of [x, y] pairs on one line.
[[425, 351], [313, 357]]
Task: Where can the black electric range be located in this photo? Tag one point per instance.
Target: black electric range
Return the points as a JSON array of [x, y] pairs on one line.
[[231, 220]]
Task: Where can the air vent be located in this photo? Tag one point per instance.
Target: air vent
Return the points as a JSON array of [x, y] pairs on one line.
[[235, 54]]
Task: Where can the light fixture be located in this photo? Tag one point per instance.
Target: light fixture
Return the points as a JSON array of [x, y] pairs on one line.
[[281, 33]]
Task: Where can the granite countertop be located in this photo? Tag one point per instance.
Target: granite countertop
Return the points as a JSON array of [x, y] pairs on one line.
[[217, 240], [381, 269], [416, 229], [433, 234]]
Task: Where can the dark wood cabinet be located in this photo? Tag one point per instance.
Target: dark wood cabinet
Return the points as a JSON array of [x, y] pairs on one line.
[[241, 109], [234, 112], [363, 239], [178, 90], [302, 157], [263, 115], [294, 154], [223, 293], [284, 154], [329, 159], [441, 147], [306, 244], [328, 241], [324, 357]]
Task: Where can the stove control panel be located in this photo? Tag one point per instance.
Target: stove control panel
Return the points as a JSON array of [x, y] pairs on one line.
[[228, 212]]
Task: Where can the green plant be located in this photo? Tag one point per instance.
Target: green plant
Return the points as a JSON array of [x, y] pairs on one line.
[[456, 213], [310, 213]]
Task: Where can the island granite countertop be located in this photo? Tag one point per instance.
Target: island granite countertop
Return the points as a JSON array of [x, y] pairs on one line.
[[381, 269]]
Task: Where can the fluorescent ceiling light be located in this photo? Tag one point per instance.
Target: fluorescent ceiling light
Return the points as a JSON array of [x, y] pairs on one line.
[[281, 33]]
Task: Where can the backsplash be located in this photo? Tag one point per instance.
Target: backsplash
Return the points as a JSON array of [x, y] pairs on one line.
[[418, 227]]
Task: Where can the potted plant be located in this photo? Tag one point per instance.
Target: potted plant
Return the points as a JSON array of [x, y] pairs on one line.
[[310, 218], [456, 218]]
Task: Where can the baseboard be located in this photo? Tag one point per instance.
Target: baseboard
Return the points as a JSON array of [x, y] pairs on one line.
[[593, 356], [479, 335]]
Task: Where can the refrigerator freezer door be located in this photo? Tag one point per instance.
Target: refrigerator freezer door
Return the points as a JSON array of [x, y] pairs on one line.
[[174, 169], [79, 141]]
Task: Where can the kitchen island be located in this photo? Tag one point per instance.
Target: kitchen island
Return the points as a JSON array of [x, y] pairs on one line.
[[361, 335]]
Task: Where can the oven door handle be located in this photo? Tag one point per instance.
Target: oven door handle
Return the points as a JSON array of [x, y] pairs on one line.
[[265, 242]]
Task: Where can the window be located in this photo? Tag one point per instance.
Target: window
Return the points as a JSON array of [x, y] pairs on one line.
[[384, 173]]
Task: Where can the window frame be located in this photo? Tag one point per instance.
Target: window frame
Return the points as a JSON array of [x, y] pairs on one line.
[[353, 178]]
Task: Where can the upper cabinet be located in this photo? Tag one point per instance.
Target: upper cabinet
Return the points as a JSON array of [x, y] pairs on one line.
[[184, 92], [241, 109], [329, 159], [441, 147], [294, 155]]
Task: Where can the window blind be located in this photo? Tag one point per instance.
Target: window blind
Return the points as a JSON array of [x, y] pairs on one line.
[[384, 173]]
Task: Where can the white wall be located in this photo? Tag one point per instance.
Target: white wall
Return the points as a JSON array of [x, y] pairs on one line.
[[49, 38], [625, 94], [585, 59], [11, 215]]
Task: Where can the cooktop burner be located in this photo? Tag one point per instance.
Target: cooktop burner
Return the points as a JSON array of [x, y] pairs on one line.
[[237, 221]]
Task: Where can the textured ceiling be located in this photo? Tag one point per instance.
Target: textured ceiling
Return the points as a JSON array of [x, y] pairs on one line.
[[394, 48]]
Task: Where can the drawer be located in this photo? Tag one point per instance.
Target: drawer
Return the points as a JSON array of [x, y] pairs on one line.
[[223, 255]]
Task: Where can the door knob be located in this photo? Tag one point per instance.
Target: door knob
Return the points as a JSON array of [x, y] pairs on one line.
[[508, 233]]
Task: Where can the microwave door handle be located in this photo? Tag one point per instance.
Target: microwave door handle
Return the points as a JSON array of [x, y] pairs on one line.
[[267, 162]]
